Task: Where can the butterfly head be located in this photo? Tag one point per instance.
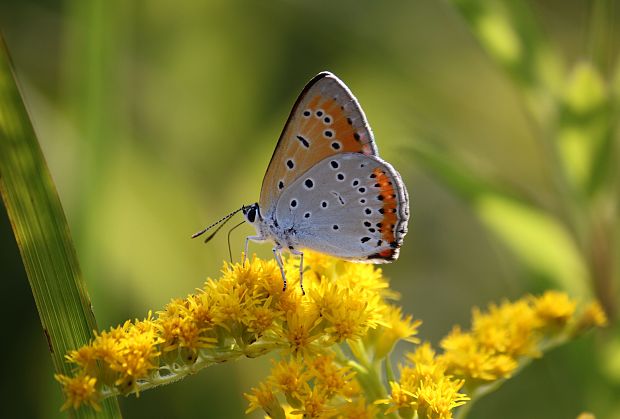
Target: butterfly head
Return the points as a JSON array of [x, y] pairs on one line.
[[252, 214]]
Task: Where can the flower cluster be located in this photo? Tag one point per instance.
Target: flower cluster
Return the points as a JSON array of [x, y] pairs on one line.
[[502, 339], [316, 386], [507, 335], [243, 313], [425, 388], [332, 343]]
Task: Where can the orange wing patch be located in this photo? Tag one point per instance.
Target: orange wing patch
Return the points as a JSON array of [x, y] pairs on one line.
[[326, 120], [334, 131], [387, 226]]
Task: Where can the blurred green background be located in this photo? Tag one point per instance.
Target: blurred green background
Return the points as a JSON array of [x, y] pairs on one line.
[[157, 118]]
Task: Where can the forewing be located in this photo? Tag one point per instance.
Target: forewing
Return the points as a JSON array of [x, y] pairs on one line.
[[349, 205], [326, 120]]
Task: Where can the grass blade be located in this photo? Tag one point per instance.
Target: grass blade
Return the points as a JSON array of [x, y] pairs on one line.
[[42, 233]]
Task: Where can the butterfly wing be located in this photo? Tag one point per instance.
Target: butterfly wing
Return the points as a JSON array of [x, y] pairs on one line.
[[325, 120], [348, 205]]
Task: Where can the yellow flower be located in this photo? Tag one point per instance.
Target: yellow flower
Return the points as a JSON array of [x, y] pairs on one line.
[[231, 302], [397, 328], [262, 397], [290, 377], [136, 358], [364, 277], [333, 378], [437, 399], [314, 403], [465, 357], [202, 310], [270, 278], [351, 318], [302, 334], [261, 318], [554, 308], [423, 366], [400, 400], [593, 316], [79, 390], [246, 313], [85, 357], [359, 409], [426, 388], [508, 328]]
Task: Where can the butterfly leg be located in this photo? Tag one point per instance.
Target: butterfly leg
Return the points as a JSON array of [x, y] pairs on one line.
[[301, 268], [277, 253]]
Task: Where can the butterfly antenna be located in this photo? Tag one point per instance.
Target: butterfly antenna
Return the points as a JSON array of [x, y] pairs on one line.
[[210, 236], [222, 220], [230, 231]]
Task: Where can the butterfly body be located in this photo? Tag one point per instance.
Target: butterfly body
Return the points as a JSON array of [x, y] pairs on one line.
[[326, 189]]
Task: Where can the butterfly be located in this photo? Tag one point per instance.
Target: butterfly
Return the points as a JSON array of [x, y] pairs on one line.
[[326, 189]]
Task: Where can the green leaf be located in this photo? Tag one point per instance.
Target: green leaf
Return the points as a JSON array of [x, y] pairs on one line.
[[540, 240], [462, 179], [586, 129], [42, 234], [511, 36]]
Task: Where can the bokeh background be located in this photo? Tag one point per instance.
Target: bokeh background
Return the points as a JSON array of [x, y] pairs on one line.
[[157, 118]]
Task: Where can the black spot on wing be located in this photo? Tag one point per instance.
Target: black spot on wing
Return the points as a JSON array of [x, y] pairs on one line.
[[303, 141]]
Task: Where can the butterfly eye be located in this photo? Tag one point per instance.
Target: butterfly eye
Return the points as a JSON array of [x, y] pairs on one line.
[[252, 214]]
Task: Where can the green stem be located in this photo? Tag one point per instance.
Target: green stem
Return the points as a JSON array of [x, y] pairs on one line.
[[368, 373], [207, 358], [389, 371], [601, 35], [42, 233]]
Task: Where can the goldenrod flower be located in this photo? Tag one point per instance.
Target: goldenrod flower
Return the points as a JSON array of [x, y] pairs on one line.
[[314, 403], [554, 308], [332, 343], [437, 399], [593, 316], [465, 356], [507, 328], [359, 410], [509, 335], [397, 327], [400, 400], [79, 390], [289, 377], [333, 378], [425, 388], [263, 398]]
